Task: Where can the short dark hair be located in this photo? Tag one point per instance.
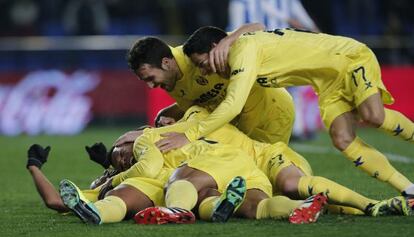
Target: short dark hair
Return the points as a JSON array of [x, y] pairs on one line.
[[148, 50], [202, 39]]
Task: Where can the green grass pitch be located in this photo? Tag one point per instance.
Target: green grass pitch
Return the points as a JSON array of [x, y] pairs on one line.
[[23, 214]]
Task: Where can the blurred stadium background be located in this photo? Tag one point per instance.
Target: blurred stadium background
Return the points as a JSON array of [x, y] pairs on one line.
[[63, 67]]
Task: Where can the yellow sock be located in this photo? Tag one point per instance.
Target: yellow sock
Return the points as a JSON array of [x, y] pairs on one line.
[[111, 209], [276, 207], [343, 210], [397, 124], [205, 210], [375, 164], [181, 194], [91, 194], [336, 193]]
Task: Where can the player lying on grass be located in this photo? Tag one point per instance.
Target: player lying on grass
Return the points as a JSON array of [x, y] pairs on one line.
[[206, 166], [289, 173], [135, 194], [344, 73]]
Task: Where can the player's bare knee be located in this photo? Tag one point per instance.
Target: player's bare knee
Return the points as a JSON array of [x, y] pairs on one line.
[[373, 117], [341, 139], [290, 188], [248, 209]]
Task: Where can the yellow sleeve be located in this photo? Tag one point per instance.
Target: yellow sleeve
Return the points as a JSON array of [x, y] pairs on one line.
[[149, 159], [243, 63]]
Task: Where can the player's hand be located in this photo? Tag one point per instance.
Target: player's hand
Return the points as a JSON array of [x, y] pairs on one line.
[[105, 188], [164, 121], [218, 55], [171, 141], [37, 155], [97, 152], [128, 137]]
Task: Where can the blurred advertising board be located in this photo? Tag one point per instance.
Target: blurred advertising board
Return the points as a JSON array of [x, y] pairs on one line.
[[64, 102], [58, 102]]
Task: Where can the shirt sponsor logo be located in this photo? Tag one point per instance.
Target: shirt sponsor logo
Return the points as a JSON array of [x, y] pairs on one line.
[[212, 93], [266, 82], [202, 80], [237, 71]]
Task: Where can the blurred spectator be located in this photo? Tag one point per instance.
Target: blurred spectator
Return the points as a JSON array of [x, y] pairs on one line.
[[357, 17], [272, 13], [20, 17], [84, 17], [399, 29], [136, 17], [196, 13]]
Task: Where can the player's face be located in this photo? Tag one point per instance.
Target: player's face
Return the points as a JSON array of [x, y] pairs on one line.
[[202, 62], [157, 77], [122, 157]]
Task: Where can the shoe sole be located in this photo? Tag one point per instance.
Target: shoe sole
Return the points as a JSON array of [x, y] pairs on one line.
[[154, 216], [71, 198], [322, 200], [403, 205], [230, 201]]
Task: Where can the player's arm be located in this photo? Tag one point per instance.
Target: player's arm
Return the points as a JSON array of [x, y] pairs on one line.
[[218, 55], [243, 63], [37, 156], [149, 159]]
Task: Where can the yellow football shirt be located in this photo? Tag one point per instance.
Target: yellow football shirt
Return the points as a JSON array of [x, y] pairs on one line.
[[264, 114], [280, 58]]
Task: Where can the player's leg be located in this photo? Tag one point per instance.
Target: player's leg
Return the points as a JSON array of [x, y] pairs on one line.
[[119, 203], [291, 175], [184, 185], [369, 94], [363, 156], [180, 198]]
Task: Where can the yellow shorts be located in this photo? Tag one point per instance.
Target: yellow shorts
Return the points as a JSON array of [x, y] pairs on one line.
[[278, 156], [225, 162], [362, 80], [152, 188], [268, 115]]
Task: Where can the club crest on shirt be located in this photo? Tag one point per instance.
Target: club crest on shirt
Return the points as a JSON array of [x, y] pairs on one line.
[[202, 80]]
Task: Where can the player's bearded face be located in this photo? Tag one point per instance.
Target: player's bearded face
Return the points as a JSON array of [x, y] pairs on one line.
[[157, 77]]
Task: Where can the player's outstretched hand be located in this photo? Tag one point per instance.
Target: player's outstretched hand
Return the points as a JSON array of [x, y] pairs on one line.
[[37, 155], [171, 141], [97, 152]]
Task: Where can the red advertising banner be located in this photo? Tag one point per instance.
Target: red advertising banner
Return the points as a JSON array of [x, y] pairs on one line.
[[400, 82], [56, 102]]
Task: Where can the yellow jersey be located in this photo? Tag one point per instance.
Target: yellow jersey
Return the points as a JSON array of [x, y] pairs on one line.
[[256, 109]]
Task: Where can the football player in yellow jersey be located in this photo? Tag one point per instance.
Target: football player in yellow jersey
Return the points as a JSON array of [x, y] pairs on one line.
[[344, 73], [289, 173], [212, 165], [159, 65]]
